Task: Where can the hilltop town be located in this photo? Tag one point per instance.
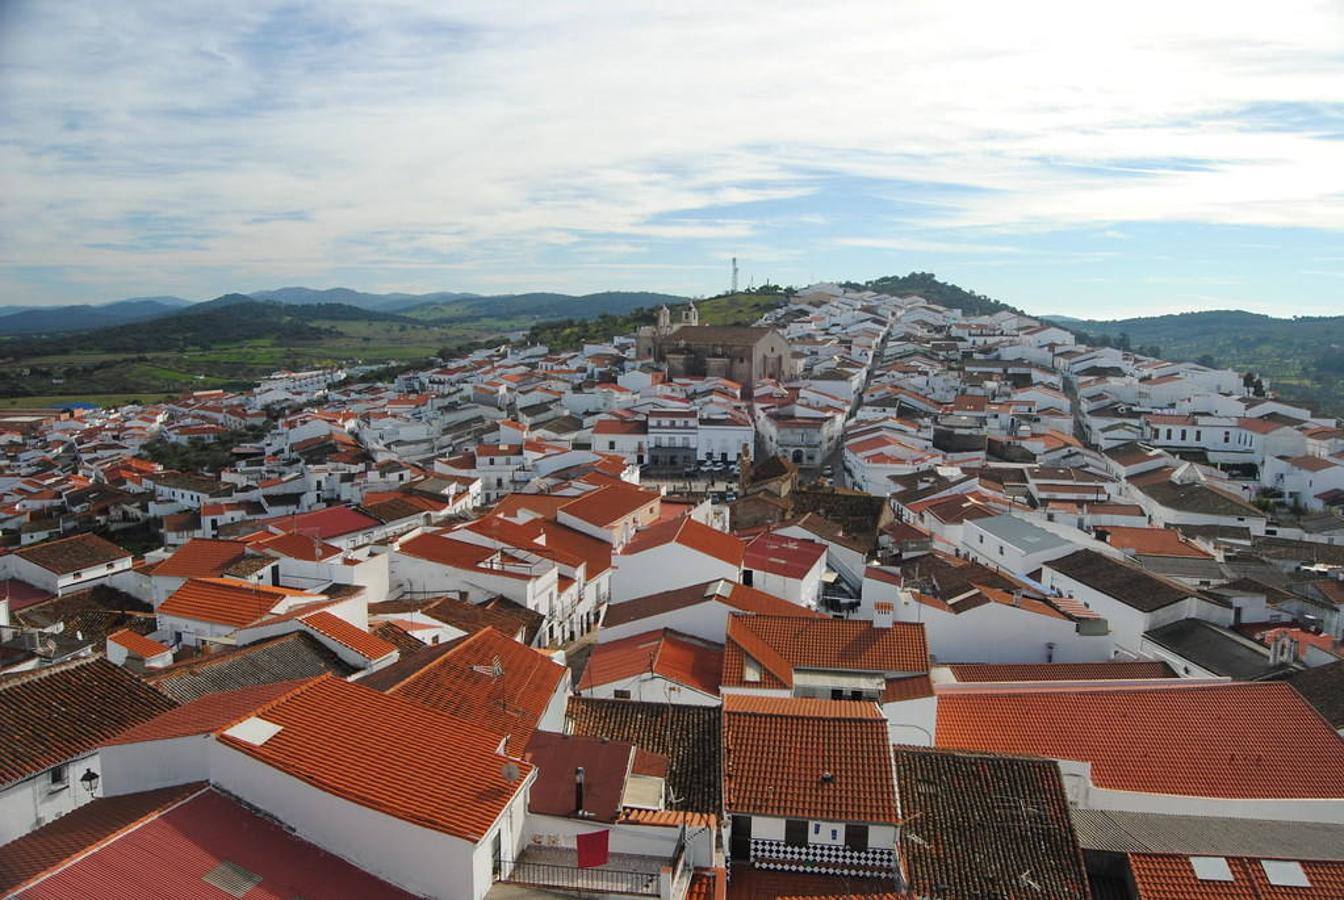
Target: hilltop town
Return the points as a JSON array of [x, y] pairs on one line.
[[873, 597]]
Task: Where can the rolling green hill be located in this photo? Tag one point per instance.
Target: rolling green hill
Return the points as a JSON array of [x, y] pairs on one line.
[[731, 309], [943, 293]]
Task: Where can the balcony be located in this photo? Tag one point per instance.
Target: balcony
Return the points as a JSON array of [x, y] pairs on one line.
[[624, 874], [823, 859]]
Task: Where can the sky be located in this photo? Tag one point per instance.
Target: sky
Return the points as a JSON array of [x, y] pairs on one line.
[[1098, 161]]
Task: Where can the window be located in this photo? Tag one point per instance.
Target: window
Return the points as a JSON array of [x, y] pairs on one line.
[[622, 694], [60, 777], [856, 837], [1168, 434], [982, 538], [1197, 434], [1182, 434], [1000, 549], [795, 832]]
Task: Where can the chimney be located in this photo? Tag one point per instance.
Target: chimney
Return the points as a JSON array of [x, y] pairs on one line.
[[883, 613]]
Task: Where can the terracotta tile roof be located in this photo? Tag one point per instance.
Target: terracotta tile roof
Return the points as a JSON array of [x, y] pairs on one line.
[[510, 706], [296, 546], [1323, 688], [369, 646], [137, 644], [606, 506], [808, 759], [169, 854], [332, 522], [51, 714], [1093, 671], [289, 657], [206, 715], [224, 601], [399, 634], [729, 593], [201, 557], [688, 533], [751, 883], [1153, 542], [391, 755], [782, 644], [675, 656], [76, 553], [595, 554], [981, 826], [1266, 741], [605, 767], [1172, 877], [81, 828], [786, 556], [688, 736]]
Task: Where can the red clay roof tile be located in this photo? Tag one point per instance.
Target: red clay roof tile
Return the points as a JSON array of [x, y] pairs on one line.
[[389, 754], [1226, 740]]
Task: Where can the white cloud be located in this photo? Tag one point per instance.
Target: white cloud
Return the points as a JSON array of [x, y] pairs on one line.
[[468, 136]]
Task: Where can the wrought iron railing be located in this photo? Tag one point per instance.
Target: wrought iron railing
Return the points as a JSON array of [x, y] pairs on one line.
[[572, 878]]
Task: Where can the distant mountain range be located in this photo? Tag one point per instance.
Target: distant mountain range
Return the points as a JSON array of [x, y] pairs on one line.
[[45, 319], [437, 308]]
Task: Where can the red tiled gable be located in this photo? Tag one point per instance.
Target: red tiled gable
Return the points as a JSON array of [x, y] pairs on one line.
[[389, 754], [224, 601], [208, 714], [670, 654], [1227, 740], [689, 533], [545, 505], [786, 556], [137, 644], [595, 554], [1152, 542], [201, 558], [778, 752], [50, 715], [731, 594], [782, 644], [510, 706], [48, 847], [1094, 671], [169, 855], [369, 646], [1172, 877], [325, 524], [296, 546], [606, 506]]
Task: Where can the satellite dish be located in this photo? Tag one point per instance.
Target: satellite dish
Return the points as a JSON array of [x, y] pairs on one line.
[[511, 772]]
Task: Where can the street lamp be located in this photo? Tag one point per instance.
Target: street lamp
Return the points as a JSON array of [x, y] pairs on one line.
[[90, 781]]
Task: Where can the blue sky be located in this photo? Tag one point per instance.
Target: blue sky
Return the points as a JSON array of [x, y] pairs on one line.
[[1147, 158]]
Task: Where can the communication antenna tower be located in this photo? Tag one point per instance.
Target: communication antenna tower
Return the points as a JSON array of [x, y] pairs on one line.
[[734, 274]]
